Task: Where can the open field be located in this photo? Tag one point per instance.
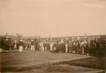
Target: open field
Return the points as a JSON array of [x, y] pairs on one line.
[[91, 62], [42, 62]]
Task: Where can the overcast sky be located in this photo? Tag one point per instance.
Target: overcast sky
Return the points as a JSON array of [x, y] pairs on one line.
[[53, 17]]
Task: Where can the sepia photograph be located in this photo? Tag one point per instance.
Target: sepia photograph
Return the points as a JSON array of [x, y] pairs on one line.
[[52, 36]]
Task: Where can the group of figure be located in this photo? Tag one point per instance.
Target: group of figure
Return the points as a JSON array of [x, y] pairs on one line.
[[76, 46]]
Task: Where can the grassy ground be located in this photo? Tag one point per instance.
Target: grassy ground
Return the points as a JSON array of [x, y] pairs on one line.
[[42, 62], [61, 68], [91, 62]]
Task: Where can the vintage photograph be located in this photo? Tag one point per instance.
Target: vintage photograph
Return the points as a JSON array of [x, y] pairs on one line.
[[52, 36]]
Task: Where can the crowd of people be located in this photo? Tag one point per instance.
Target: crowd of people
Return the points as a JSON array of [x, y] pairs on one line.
[[76, 46]]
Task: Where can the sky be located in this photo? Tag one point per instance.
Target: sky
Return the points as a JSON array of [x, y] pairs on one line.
[[53, 17]]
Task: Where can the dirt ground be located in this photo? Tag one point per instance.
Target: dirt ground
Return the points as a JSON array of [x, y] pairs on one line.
[[41, 62], [62, 68]]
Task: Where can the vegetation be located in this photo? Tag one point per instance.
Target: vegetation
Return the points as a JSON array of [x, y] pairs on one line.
[[99, 50]]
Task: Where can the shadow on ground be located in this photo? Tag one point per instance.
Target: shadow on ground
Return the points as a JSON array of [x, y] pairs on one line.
[[91, 62]]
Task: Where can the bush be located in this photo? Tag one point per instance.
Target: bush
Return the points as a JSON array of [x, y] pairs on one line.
[[99, 50], [4, 44]]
